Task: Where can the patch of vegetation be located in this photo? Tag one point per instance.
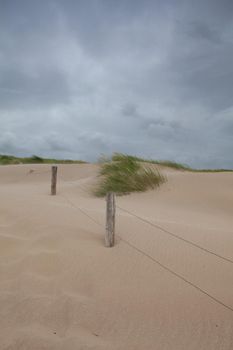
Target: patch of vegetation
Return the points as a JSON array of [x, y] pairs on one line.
[[33, 159], [125, 175], [6, 159], [173, 165], [10, 160], [211, 170], [168, 163]]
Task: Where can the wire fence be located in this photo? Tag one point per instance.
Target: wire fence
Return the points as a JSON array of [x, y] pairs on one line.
[[159, 227], [159, 263], [140, 251]]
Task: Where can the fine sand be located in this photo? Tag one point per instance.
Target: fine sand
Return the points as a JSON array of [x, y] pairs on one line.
[[61, 289]]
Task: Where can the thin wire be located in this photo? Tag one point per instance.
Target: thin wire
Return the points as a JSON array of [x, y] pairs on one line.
[[81, 210], [175, 235], [177, 275], [154, 260]]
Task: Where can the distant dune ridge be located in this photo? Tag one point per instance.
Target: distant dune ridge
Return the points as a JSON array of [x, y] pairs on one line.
[[60, 288]]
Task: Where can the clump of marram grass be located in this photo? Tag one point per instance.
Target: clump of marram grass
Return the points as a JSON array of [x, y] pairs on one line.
[[126, 175], [169, 164], [165, 163]]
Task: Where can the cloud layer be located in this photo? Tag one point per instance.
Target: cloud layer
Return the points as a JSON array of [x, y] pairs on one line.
[[151, 78]]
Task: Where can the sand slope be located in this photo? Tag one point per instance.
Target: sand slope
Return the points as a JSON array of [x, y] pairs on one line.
[[60, 288]]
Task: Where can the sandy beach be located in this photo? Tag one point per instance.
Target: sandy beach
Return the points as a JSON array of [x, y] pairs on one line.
[[166, 285]]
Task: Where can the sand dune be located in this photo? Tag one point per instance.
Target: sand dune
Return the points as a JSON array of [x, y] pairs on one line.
[[60, 288]]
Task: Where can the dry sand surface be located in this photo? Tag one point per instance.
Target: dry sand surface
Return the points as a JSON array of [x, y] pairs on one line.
[[60, 288]]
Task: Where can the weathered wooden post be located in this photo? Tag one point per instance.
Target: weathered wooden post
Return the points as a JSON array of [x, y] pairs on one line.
[[110, 220], [54, 181]]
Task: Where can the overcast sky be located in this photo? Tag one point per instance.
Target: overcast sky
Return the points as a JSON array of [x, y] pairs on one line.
[[152, 78]]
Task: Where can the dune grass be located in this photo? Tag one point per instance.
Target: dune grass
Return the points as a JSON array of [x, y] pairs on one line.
[[168, 163], [8, 160], [125, 175]]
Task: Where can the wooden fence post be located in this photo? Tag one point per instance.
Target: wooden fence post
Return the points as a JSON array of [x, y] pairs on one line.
[[54, 181], [110, 220]]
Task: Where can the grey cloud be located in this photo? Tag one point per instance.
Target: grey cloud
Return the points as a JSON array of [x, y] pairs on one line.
[[55, 143], [130, 110], [167, 130], [201, 31], [8, 142], [152, 78], [19, 89]]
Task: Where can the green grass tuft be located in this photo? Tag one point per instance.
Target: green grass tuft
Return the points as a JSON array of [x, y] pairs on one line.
[[166, 163], [124, 175]]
